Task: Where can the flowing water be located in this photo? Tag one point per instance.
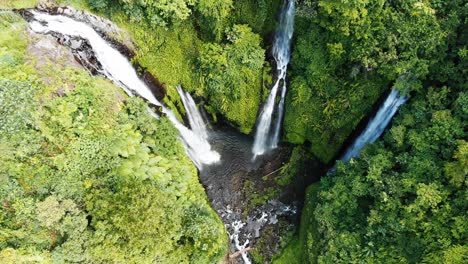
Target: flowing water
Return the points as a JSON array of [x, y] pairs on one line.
[[197, 124], [376, 125], [223, 178], [118, 69], [224, 184], [267, 134]]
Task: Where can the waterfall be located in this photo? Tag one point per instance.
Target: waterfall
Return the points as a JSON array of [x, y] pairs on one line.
[[275, 139], [267, 135], [377, 124], [118, 69], [193, 114]]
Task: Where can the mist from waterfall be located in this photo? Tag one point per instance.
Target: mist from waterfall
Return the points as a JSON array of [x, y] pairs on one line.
[[267, 134], [118, 69], [377, 125]]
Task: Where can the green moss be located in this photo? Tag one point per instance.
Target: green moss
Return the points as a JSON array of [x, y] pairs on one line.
[[273, 237], [256, 196], [290, 170], [168, 55], [78, 4], [292, 254], [308, 230]]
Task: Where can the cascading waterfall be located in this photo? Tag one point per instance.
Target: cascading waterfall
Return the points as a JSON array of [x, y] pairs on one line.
[[193, 114], [118, 69], [266, 135], [377, 125], [276, 134]]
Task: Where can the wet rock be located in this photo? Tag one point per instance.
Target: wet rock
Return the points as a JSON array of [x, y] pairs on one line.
[[102, 25], [76, 43], [226, 188], [45, 44]]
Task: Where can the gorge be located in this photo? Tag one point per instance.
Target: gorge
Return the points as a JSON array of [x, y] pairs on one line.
[[376, 125], [202, 132], [117, 68]]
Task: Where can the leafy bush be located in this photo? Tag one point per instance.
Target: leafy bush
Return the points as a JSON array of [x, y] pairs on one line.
[[157, 13], [15, 99]]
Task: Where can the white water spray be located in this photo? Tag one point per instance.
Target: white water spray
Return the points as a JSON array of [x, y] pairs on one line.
[[193, 114], [377, 125], [118, 69], [266, 135]]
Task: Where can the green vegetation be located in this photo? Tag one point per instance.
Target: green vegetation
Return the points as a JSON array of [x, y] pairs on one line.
[[290, 171], [304, 241], [346, 54], [261, 15], [267, 242], [227, 73], [87, 175], [404, 199], [166, 13], [207, 46], [10, 4]]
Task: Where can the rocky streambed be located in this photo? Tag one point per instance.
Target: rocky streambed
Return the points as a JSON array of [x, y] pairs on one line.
[[256, 207]]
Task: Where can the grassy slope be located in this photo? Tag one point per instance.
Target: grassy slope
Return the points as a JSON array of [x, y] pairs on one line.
[[11, 4]]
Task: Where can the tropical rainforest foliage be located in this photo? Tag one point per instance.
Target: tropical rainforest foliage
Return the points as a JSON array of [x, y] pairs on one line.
[[212, 48], [88, 175], [405, 199], [348, 52]]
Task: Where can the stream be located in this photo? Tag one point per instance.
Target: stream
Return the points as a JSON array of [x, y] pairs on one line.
[[229, 163], [223, 156], [114, 66]]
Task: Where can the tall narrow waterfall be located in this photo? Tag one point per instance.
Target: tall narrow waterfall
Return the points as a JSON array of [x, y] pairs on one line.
[[267, 135], [118, 69], [193, 114], [377, 125]]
